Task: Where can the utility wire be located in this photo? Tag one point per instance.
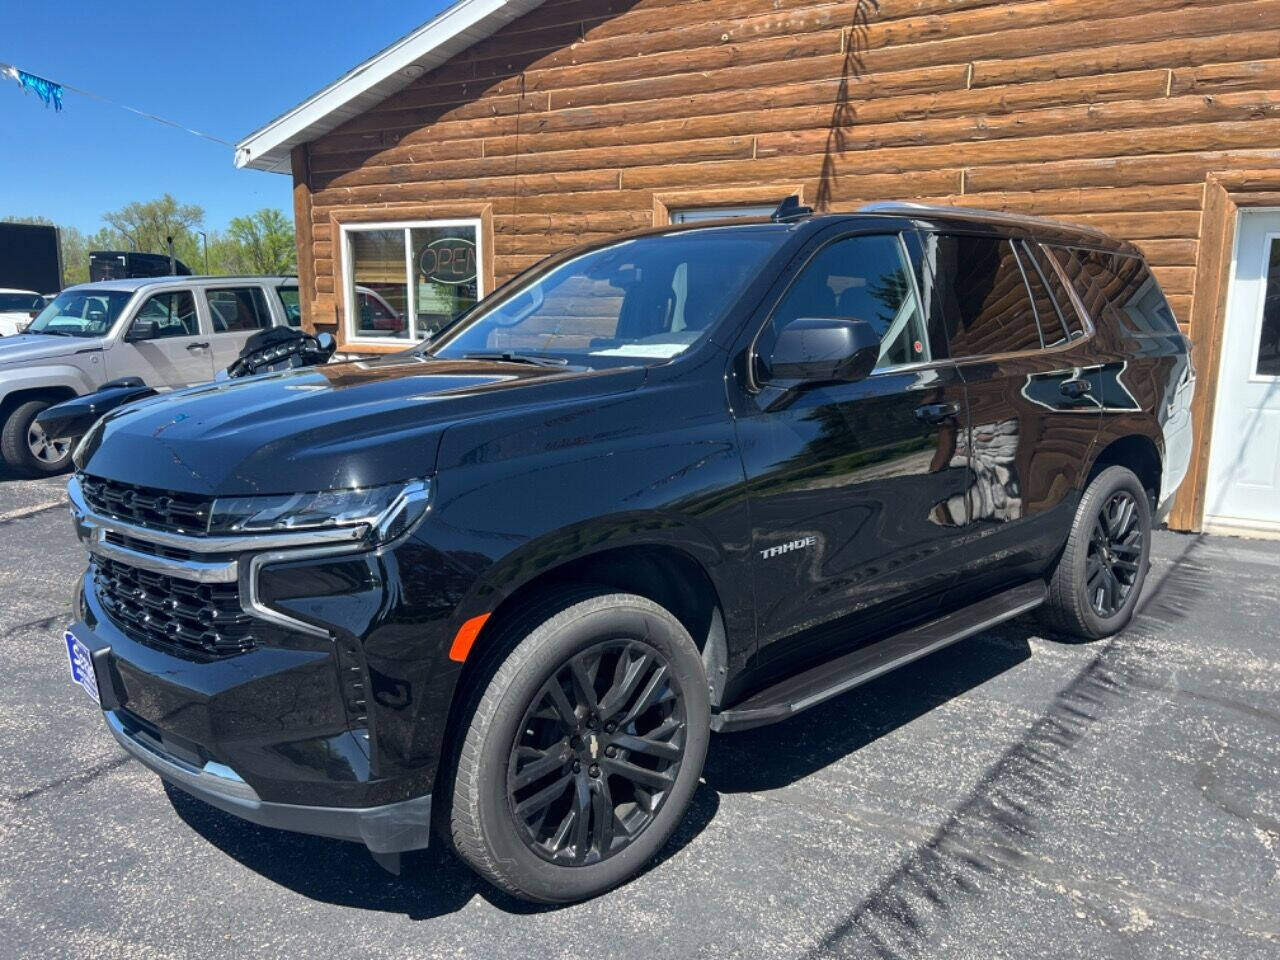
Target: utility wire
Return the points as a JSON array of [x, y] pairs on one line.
[[11, 70]]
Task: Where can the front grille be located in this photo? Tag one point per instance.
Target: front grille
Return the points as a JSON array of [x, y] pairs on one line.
[[147, 506], [180, 616]]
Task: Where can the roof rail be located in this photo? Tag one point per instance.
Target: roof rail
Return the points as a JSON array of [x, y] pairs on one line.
[[904, 208]]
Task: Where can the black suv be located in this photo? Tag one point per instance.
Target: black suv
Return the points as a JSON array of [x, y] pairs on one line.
[[507, 583]]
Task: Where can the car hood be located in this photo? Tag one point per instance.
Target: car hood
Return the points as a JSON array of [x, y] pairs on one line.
[[360, 423], [26, 347]]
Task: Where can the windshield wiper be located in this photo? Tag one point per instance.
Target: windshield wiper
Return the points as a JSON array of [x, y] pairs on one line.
[[508, 356], [53, 333]]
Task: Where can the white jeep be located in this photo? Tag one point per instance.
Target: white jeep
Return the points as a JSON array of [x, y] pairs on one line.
[[169, 331]]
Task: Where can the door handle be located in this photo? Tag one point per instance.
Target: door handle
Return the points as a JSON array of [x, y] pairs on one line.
[[936, 412], [1075, 389], [198, 346]]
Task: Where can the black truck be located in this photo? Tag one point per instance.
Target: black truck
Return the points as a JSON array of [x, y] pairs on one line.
[[30, 257], [503, 586]]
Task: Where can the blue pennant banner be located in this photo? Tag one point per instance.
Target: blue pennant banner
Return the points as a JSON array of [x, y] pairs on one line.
[[46, 90]]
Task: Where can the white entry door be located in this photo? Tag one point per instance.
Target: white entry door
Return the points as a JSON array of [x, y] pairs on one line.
[[1244, 456]]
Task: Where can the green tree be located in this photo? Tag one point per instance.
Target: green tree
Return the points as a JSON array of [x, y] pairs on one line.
[[265, 242], [146, 225]]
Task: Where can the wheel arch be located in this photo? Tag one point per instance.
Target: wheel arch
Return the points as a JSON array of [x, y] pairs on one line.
[[55, 393], [1140, 454], [669, 575]]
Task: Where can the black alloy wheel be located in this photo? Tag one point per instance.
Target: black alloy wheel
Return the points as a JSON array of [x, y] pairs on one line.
[[1114, 555], [597, 753]]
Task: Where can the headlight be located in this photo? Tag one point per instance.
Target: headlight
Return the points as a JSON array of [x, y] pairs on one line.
[[387, 511]]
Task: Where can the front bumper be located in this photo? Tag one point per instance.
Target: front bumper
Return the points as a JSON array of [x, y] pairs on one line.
[[388, 828], [329, 719]]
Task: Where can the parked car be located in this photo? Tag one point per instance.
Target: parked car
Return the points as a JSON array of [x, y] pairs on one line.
[[17, 309], [170, 332], [691, 480]]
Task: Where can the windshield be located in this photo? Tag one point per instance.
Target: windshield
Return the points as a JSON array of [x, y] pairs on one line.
[[81, 313], [17, 302], [649, 298]]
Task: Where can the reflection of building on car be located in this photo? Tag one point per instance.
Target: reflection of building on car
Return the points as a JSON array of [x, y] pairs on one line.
[[168, 332]]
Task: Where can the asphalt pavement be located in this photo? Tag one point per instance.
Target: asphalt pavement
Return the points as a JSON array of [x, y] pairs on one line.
[[1013, 796]]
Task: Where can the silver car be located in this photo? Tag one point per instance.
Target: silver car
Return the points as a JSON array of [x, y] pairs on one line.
[[169, 331]]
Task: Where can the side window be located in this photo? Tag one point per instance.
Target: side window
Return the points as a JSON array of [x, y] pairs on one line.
[[860, 278], [1053, 329], [292, 305], [1066, 306], [171, 314], [983, 296], [237, 309], [1119, 286]]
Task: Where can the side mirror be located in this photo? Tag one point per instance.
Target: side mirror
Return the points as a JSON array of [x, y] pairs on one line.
[[823, 350], [327, 343], [143, 328]]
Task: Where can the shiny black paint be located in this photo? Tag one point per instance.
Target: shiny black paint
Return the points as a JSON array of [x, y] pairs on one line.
[[535, 468]]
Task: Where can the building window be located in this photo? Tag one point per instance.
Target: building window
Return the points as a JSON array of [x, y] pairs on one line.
[[696, 214], [404, 281]]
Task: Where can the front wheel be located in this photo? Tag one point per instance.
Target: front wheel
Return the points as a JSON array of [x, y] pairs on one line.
[[584, 749], [27, 449], [1094, 588]]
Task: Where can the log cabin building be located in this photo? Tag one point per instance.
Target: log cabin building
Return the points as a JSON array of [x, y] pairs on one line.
[[505, 130]]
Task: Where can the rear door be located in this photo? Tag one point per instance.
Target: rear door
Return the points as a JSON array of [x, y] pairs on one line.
[[235, 313], [1032, 416], [177, 351], [856, 489]]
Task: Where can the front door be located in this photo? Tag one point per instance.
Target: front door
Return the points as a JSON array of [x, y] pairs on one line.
[[1244, 457], [168, 348], [856, 489]]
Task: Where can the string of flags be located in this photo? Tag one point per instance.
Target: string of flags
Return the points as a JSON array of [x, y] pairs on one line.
[[51, 93], [46, 90]]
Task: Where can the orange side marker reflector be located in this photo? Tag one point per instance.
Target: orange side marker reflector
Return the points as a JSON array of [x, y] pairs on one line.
[[467, 634]]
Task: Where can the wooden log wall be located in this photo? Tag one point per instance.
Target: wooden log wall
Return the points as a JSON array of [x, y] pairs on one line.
[[591, 117], [573, 120]]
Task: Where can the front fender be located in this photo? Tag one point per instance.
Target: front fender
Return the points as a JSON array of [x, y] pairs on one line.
[[62, 376]]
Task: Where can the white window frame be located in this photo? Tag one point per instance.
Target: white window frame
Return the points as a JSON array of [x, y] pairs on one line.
[[695, 214], [411, 291]]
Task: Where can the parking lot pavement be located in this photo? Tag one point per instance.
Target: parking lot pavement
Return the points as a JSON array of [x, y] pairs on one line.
[[1013, 796]]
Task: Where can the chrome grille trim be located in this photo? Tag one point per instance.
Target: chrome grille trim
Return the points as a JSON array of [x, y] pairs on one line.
[[199, 571], [206, 545]]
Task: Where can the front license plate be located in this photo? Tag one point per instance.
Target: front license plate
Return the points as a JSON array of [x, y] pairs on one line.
[[82, 666]]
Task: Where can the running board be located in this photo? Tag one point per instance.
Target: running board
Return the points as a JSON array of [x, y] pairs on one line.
[[827, 680]]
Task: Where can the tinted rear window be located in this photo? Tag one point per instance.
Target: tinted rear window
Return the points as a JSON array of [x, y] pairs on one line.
[[1118, 287], [984, 297]]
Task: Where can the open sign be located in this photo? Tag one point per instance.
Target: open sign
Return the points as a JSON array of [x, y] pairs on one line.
[[449, 260]]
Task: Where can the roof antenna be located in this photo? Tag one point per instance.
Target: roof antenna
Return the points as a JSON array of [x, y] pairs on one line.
[[790, 209]]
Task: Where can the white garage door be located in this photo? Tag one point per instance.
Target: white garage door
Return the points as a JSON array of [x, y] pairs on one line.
[[1244, 456]]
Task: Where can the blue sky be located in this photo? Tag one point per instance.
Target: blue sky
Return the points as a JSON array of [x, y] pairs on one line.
[[225, 67]]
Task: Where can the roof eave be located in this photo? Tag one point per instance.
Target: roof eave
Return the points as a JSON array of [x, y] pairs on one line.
[[387, 72]]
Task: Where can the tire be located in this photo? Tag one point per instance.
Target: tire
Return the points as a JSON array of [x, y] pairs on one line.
[[16, 444], [519, 748], [1110, 538]]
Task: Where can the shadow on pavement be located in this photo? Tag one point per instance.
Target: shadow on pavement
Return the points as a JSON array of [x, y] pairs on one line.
[[432, 882], [771, 757]]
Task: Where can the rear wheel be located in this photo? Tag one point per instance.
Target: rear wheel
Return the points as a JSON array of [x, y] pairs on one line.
[[1094, 588], [583, 750], [27, 449]]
